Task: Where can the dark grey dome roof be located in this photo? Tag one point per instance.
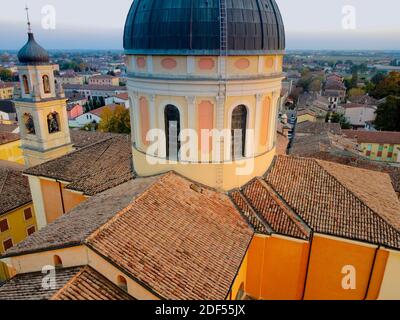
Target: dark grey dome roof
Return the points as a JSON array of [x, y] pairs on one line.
[[32, 52], [194, 27]]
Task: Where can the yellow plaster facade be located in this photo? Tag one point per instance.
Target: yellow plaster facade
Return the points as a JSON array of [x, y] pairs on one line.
[[21, 222], [12, 152], [220, 84]]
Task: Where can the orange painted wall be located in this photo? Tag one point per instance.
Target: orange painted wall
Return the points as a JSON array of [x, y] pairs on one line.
[[51, 199], [328, 257], [276, 268], [239, 281], [266, 114], [54, 199], [285, 267], [71, 199], [377, 275], [206, 122]]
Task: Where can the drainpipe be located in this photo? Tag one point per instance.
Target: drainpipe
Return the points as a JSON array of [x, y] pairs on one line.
[[62, 197], [372, 272], [308, 264]]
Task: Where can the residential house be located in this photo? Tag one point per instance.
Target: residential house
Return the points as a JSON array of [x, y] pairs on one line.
[[7, 111], [122, 99], [74, 110], [93, 116], [377, 145], [6, 90], [359, 115], [10, 147], [17, 215], [104, 80], [70, 78], [94, 91]]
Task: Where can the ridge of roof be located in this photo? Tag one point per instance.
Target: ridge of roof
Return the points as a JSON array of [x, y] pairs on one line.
[[300, 223], [356, 195]]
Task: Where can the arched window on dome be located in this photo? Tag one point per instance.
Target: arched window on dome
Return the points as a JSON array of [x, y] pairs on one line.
[[122, 283], [25, 84], [46, 84], [238, 129], [53, 122], [172, 131], [29, 123]]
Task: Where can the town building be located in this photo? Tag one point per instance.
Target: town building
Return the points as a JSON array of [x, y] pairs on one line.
[[122, 99], [92, 117], [359, 115], [162, 228], [93, 92], [70, 78], [377, 145], [17, 216], [6, 91], [8, 113], [104, 80], [74, 111]]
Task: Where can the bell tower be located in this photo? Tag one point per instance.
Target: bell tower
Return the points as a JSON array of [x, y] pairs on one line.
[[41, 109]]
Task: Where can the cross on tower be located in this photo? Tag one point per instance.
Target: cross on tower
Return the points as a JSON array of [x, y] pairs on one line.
[[27, 18]]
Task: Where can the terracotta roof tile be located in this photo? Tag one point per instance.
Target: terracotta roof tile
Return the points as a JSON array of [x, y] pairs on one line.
[[270, 209], [180, 243], [73, 228], [328, 203], [14, 189], [7, 137], [93, 169], [78, 283], [28, 286], [88, 284], [382, 137], [82, 139], [309, 127]]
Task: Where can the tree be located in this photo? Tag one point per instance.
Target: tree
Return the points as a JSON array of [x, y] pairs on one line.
[[355, 92], [341, 119], [388, 115], [388, 86], [378, 78], [115, 121], [6, 75]]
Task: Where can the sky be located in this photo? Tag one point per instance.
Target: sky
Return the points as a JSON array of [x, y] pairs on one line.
[[310, 24]]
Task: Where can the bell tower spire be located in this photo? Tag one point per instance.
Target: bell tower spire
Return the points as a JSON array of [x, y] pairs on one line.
[[41, 109], [27, 19]]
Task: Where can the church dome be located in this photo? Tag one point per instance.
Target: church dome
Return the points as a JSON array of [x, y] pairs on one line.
[[193, 27], [32, 52]]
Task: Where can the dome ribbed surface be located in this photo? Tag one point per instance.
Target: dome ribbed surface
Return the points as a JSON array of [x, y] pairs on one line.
[[32, 52], [194, 27]]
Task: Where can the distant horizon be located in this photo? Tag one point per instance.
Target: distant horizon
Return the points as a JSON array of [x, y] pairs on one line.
[[99, 26]]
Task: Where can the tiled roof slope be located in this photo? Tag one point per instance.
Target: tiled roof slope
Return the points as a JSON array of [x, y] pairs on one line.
[[382, 137], [7, 137], [321, 195], [88, 284], [82, 139], [78, 283], [270, 209], [28, 286], [14, 190], [309, 127], [93, 169], [180, 243], [73, 228]]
